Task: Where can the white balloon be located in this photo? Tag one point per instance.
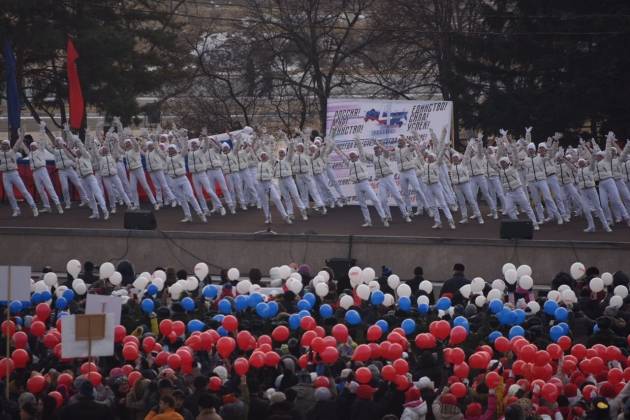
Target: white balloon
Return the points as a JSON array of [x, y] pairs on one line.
[[321, 289], [80, 288], [621, 291], [568, 296], [192, 283], [255, 288], [596, 284], [175, 291], [201, 270], [148, 275], [553, 295], [158, 282], [577, 270], [403, 290], [158, 273], [355, 281], [140, 283], [354, 272], [317, 279], [526, 282], [477, 284], [285, 271], [607, 279], [296, 276], [294, 285], [393, 281], [233, 274], [76, 282], [388, 300], [274, 273], [480, 301], [59, 291], [498, 284], [106, 270], [562, 288], [494, 294], [50, 279], [616, 301], [374, 285], [124, 299], [115, 278], [465, 291], [367, 275], [346, 301], [363, 291], [510, 276], [40, 287], [426, 285], [325, 275], [508, 266], [533, 306], [243, 287], [73, 267], [422, 300], [523, 270]]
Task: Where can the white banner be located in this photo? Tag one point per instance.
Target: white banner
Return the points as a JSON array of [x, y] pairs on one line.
[[383, 120]]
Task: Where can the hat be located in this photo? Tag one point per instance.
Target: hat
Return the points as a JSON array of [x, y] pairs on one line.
[[226, 146], [531, 146], [448, 399], [86, 389], [353, 153], [321, 381], [300, 145], [425, 382], [172, 146], [26, 398], [542, 146], [513, 389], [412, 394], [504, 159], [474, 410], [5, 141], [322, 394], [345, 373], [277, 397], [365, 392], [353, 387], [221, 372]]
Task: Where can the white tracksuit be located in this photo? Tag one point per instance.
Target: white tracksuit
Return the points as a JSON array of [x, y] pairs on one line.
[[363, 189], [283, 172], [329, 172], [478, 180], [554, 186], [247, 178], [537, 183], [321, 181], [136, 175], [514, 193], [608, 192], [176, 170], [155, 166], [197, 166], [112, 182], [589, 198], [460, 178], [495, 188], [65, 167], [406, 161], [430, 176], [43, 183], [11, 178], [214, 171], [267, 189], [302, 169], [232, 177]]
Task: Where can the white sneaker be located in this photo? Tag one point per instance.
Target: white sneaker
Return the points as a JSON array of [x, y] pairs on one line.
[[607, 229], [430, 212], [495, 215], [59, 209], [35, 211], [207, 212], [589, 230], [418, 211], [463, 221], [113, 210], [304, 215], [68, 206], [232, 210], [186, 220], [106, 216], [487, 215], [536, 227], [385, 222], [173, 204], [323, 210], [548, 219], [288, 220], [16, 213], [267, 221], [366, 224], [340, 204], [480, 220], [203, 218], [560, 221], [437, 226], [93, 216], [243, 207], [83, 204], [331, 205], [451, 224], [156, 207], [407, 219], [222, 211], [567, 219], [45, 210]]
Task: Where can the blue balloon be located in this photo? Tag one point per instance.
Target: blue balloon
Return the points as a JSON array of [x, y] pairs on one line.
[[383, 325], [152, 290], [561, 314], [326, 311], [595, 329], [46, 296], [516, 331], [147, 306], [273, 309], [404, 303], [550, 307], [63, 314], [15, 306], [304, 305], [505, 316], [241, 303], [556, 332], [495, 306], [19, 321], [222, 331], [210, 292], [494, 335], [61, 303], [304, 313], [423, 308], [26, 304], [310, 298], [68, 295], [225, 307], [294, 321], [262, 309], [409, 326], [195, 325], [443, 303], [36, 298], [218, 318], [520, 316], [352, 317], [565, 327], [255, 299], [188, 304], [461, 322], [377, 297]]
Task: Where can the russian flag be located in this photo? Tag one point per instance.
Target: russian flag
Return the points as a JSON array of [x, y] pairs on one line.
[[75, 96], [13, 98]]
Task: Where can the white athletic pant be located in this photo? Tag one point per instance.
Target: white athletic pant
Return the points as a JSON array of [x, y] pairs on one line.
[[495, 188], [45, 187], [554, 186], [364, 192], [624, 193], [464, 194], [330, 174], [12, 179], [113, 187], [609, 194], [249, 186], [94, 193], [266, 190], [183, 191], [233, 181], [325, 192], [538, 189], [438, 196], [201, 183], [518, 198], [163, 192], [480, 182], [306, 185], [590, 200], [135, 176], [409, 179], [387, 187], [71, 174], [573, 199], [449, 194], [290, 193], [215, 176]]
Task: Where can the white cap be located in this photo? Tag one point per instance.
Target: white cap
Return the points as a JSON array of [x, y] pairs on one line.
[[263, 154], [353, 153], [531, 146], [318, 139], [581, 161], [33, 144], [194, 141], [300, 145], [128, 141], [149, 143], [542, 146], [5, 141], [226, 146], [505, 159], [282, 150], [172, 146], [601, 153]]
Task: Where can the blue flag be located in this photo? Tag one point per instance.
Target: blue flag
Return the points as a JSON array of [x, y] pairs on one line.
[[13, 99]]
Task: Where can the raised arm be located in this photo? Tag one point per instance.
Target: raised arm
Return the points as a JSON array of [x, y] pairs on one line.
[[359, 144], [342, 155]]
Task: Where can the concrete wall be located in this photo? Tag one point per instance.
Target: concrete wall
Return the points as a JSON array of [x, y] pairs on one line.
[[54, 247]]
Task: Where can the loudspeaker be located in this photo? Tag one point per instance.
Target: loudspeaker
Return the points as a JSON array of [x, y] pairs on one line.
[[340, 267], [140, 220], [516, 229]]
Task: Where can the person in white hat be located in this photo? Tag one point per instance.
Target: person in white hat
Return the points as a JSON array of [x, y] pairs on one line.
[[231, 169], [11, 177], [327, 147], [197, 166], [320, 178], [113, 142], [111, 180], [460, 177], [547, 151], [588, 195], [176, 170], [478, 180], [619, 156], [43, 183], [133, 158], [282, 170], [405, 158], [214, 170], [242, 153], [89, 181], [267, 189], [495, 188], [303, 171], [155, 160]]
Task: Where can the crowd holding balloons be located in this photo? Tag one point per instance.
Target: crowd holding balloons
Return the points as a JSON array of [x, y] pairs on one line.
[[308, 345]]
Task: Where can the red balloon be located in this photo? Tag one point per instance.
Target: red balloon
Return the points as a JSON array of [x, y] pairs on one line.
[[492, 380], [126, 369], [502, 344], [174, 361], [555, 351], [542, 358], [241, 366], [543, 372], [461, 370], [88, 367], [214, 384], [615, 376], [179, 328], [568, 366], [330, 341], [589, 391], [374, 333], [564, 342], [308, 323], [272, 359], [42, 310], [36, 384], [340, 332], [162, 358], [243, 339], [458, 389], [330, 355], [148, 343], [402, 382], [20, 339], [194, 342], [38, 328], [528, 353], [549, 392], [440, 329], [94, 377], [5, 363], [517, 367], [307, 338], [401, 366], [613, 353], [363, 375], [120, 333], [456, 356], [257, 359], [591, 352], [425, 341], [225, 346], [376, 350], [166, 327], [394, 352], [597, 364], [388, 372], [626, 374], [362, 353], [321, 382], [458, 335], [321, 332], [477, 361], [134, 377], [20, 358], [230, 323], [303, 361], [8, 328], [185, 356], [130, 352], [265, 348], [50, 340], [65, 379], [57, 396], [280, 334], [600, 349], [264, 339], [318, 344], [579, 351]]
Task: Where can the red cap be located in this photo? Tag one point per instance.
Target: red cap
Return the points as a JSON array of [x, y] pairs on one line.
[[448, 399], [607, 390], [474, 410], [412, 394], [321, 381]]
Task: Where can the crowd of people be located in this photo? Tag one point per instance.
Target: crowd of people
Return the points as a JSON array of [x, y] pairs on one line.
[[303, 344], [250, 168]]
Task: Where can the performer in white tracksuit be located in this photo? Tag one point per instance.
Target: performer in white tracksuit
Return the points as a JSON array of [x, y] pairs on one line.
[[460, 178], [303, 171], [113, 139], [550, 172], [109, 175], [197, 166], [43, 183], [11, 177], [89, 181], [133, 158], [319, 176], [180, 185], [590, 200], [495, 188], [385, 177], [232, 173], [248, 182], [363, 189], [283, 172], [327, 148], [214, 171], [617, 168], [267, 189], [478, 180], [154, 158], [405, 158], [64, 161]]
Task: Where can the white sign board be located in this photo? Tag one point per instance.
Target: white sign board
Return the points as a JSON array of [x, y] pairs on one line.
[[102, 304], [383, 120], [72, 348], [20, 282]]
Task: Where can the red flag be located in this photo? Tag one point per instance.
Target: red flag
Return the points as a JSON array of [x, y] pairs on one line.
[[75, 96]]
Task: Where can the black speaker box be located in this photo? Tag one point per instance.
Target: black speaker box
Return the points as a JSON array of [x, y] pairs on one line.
[[140, 220], [340, 267], [516, 229]]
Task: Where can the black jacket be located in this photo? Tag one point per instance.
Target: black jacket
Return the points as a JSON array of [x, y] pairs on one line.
[[86, 408]]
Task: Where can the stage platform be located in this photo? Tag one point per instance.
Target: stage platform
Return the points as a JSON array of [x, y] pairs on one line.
[[233, 240]]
